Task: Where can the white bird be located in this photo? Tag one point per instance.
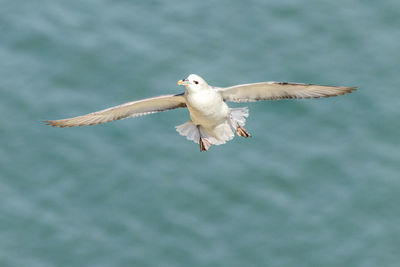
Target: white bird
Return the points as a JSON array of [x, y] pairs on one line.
[[212, 121]]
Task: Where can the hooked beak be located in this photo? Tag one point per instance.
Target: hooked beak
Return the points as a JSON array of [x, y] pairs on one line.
[[183, 82]]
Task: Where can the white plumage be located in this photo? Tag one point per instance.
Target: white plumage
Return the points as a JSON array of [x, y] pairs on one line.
[[212, 122]]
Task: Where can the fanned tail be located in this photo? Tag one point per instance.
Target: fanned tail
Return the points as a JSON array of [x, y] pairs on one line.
[[189, 130], [238, 117], [219, 134], [238, 120], [194, 132]]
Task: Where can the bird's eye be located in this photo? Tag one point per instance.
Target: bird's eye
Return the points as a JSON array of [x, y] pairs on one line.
[[196, 82]]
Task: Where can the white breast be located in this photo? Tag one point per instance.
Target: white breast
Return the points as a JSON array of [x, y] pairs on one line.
[[207, 108]]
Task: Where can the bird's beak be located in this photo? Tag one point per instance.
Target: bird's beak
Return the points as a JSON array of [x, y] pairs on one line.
[[183, 82]]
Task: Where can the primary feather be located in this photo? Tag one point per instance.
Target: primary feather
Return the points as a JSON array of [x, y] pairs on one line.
[[127, 110], [279, 90]]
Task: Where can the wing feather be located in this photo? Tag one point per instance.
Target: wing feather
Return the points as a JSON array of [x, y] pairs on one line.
[[127, 110], [280, 90]]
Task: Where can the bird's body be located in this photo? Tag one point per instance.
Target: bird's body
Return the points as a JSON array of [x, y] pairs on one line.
[[208, 111], [212, 122], [207, 108]]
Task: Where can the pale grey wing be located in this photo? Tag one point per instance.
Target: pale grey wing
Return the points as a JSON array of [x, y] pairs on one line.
[[280, 90], [127, 110]]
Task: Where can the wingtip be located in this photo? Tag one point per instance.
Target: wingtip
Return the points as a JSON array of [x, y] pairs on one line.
[[53, 124], [352, 89], [47, 123]]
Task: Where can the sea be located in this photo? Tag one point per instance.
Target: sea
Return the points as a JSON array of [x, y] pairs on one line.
[[318, 184]]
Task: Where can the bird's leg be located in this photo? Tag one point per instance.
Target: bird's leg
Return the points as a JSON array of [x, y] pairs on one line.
[[205, 144], [242, 132]]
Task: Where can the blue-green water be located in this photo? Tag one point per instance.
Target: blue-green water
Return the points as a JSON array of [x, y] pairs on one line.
[[317, 185]]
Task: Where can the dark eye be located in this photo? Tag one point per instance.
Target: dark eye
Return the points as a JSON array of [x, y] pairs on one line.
[[196, 82]]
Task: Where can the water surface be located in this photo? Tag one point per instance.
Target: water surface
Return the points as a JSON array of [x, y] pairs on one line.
[[317, 185]]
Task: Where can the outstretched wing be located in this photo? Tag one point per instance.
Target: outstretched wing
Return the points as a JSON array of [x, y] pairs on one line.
[[280, 90], [127, 110]]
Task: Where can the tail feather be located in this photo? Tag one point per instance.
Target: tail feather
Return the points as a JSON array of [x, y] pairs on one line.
[[238, 116], [219, 134], [193, 133], [189, 130]]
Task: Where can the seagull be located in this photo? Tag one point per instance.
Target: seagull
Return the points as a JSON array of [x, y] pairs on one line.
[[212, 121]]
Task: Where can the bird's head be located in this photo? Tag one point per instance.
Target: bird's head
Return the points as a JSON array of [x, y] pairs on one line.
[[194, 83]]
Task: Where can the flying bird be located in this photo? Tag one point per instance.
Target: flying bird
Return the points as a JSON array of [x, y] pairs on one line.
[[212, 121]]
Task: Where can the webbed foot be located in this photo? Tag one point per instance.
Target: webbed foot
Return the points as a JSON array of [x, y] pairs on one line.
[[242, 132], [205, 144]]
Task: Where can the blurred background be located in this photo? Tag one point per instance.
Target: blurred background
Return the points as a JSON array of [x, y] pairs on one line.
[[317, 185]]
